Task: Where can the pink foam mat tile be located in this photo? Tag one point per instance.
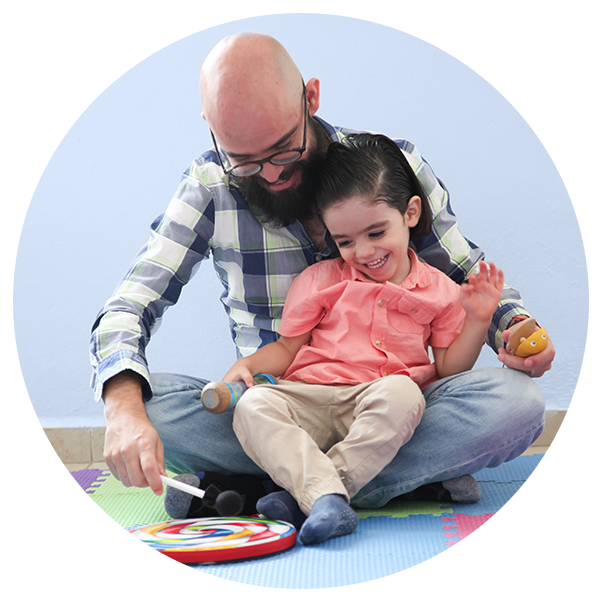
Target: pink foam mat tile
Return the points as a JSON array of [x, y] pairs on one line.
[[524, 551]]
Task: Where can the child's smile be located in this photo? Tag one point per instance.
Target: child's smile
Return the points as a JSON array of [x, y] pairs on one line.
[[373, 237]]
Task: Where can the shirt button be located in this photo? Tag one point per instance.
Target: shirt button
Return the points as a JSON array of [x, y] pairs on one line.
[[380, 303], [378, 343], [385, 373], [318, 258], [414, 310]]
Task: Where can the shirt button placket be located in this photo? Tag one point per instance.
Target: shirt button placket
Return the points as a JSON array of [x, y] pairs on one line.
[[379, 324]]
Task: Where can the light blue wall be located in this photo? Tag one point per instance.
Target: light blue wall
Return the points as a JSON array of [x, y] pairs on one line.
[[118, 166]]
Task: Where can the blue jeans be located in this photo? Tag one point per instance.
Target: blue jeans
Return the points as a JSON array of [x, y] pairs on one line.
[[471, 421]]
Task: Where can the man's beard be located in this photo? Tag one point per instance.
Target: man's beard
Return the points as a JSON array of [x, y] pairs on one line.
[[281, 209]]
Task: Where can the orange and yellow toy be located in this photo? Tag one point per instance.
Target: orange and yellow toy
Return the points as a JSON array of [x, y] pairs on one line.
[[527, 338]]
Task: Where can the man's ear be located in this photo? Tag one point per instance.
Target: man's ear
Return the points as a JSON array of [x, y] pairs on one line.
[[313, 95]]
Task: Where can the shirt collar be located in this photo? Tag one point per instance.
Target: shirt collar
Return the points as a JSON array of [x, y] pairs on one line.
[[334, 133], [419, 276]]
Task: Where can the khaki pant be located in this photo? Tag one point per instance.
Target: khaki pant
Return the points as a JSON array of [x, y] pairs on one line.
[[325, 439]]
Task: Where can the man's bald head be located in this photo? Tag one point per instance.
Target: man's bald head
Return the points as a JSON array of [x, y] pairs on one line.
[[249, 85]]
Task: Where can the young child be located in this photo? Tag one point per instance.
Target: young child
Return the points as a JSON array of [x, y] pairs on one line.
[[353, 353]]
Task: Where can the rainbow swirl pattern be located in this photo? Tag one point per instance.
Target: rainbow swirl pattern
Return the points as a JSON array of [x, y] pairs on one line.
[[218, 539]]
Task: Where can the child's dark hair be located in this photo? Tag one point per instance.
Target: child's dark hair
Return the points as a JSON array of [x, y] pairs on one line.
[[371, 166]]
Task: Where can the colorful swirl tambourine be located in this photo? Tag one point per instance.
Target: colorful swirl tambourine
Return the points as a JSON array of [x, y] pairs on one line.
[[218, 539]]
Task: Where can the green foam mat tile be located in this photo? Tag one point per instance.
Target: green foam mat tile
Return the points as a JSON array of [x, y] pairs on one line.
[[129, 506], [404, 508]]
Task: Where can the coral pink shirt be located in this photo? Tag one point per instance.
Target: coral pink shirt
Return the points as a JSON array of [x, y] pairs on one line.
[[363, 330]]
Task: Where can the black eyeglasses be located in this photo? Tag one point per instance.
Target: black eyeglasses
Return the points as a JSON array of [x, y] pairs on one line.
[[286, 157]]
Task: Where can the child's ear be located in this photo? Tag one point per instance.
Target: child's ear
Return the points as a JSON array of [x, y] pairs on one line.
[[413, 211]]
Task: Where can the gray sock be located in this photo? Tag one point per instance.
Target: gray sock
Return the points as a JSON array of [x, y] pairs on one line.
[[463, 489], [177, 503]]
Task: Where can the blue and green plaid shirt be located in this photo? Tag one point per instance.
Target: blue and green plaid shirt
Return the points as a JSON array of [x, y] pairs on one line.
[[255, 263]]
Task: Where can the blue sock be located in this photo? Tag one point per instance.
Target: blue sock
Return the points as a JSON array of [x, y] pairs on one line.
[[330, 517], [281, 506]]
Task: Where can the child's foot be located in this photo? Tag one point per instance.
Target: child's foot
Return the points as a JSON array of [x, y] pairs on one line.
[[331, 516], [281, 506]]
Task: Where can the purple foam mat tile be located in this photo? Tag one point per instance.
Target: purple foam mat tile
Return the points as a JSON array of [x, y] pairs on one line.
[[53, 484], [89, 479], [40, 498], [572, 467]]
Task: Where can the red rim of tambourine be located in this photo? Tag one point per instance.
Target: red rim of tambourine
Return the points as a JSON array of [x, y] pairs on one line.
[[217, 539]]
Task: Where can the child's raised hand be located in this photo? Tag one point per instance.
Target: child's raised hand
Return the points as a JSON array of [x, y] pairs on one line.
[[481, 295]]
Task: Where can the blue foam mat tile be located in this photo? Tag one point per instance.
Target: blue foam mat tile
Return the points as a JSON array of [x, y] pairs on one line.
[[540, 467], [384, 553], [521, 497]]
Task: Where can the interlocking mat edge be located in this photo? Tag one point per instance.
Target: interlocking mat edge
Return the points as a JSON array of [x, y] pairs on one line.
[[530, 531]]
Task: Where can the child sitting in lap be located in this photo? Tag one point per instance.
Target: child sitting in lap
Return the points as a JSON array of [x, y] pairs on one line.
[[353, 353]]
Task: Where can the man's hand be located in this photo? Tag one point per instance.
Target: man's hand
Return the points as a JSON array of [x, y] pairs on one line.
[[132, 448], [535, 365]]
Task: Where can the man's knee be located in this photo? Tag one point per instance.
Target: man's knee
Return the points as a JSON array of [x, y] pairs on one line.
[[520, 394], [516, 413], [167, 383]]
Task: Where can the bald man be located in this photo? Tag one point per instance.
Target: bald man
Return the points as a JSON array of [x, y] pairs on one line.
[[247, 202]]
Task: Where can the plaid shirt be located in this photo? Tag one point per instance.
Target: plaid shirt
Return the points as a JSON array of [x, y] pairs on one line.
[[255, 263]]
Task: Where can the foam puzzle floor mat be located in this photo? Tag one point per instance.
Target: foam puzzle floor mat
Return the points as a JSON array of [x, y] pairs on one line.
[[529, 531]]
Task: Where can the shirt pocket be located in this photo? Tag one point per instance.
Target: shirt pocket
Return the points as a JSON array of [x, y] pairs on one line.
[[411, 315]]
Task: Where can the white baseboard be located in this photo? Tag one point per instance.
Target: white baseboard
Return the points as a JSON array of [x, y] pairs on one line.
[[77, 444], [82, 445]]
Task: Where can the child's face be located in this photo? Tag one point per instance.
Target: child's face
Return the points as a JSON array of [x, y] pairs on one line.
[[373, 236]]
